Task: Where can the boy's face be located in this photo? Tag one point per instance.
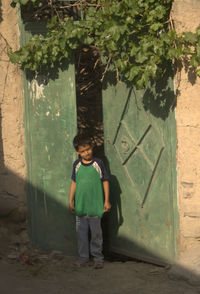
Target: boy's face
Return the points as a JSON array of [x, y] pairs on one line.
[[85, 152]]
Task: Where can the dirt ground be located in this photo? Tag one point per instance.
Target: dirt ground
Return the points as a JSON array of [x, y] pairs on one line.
[[60, 276], [24, 270]]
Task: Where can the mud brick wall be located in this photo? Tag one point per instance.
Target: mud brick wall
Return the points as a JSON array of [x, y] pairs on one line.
[[186, 16], [12, 159]]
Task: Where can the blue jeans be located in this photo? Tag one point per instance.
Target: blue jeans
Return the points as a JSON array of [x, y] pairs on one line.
[[94, 247]]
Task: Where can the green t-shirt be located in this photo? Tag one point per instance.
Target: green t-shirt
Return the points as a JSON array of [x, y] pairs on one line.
[[89, 192]]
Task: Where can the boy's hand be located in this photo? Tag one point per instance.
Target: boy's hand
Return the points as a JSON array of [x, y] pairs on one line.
[[107, 206], [71, 207]]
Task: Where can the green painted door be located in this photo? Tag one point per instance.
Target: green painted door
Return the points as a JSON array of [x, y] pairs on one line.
[[140, 147], [50, 124]]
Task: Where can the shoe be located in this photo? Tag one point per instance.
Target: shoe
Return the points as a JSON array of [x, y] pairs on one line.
[[81, 262], [98, 265]]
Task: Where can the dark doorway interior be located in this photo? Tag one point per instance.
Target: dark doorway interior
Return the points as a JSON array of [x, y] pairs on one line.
[[89, 96]]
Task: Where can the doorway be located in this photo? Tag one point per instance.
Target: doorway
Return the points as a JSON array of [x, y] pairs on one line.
[[89, 96]]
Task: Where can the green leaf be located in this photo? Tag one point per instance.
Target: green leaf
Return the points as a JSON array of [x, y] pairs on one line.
[[111, 46], [193, 61], [190, 37], [198, 72], [13, 4], [198, 50], [89, 40], [52, 22], [134, 33], [156, 26], [24, 2], [141, 57], [14, 57], [134, 50], [198, 31], [133, 72]]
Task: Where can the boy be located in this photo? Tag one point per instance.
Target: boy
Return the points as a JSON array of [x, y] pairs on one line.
[[89, 181]]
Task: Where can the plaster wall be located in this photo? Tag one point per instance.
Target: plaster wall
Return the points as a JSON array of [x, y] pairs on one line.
[[12, 159], [186, 17]]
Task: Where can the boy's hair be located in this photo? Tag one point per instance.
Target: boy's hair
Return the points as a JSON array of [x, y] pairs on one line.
[[81, 140]]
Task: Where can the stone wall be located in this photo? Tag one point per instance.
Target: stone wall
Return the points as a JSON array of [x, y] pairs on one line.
[[12, 159]]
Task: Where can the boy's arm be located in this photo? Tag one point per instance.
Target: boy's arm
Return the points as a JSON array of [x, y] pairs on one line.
[[71, 196], [107, 205]]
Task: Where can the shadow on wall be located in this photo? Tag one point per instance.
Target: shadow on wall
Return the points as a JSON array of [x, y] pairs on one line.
[[51, 226], [115, 200], [47, 72], [12, 190], [159, 97], [191, 72]]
